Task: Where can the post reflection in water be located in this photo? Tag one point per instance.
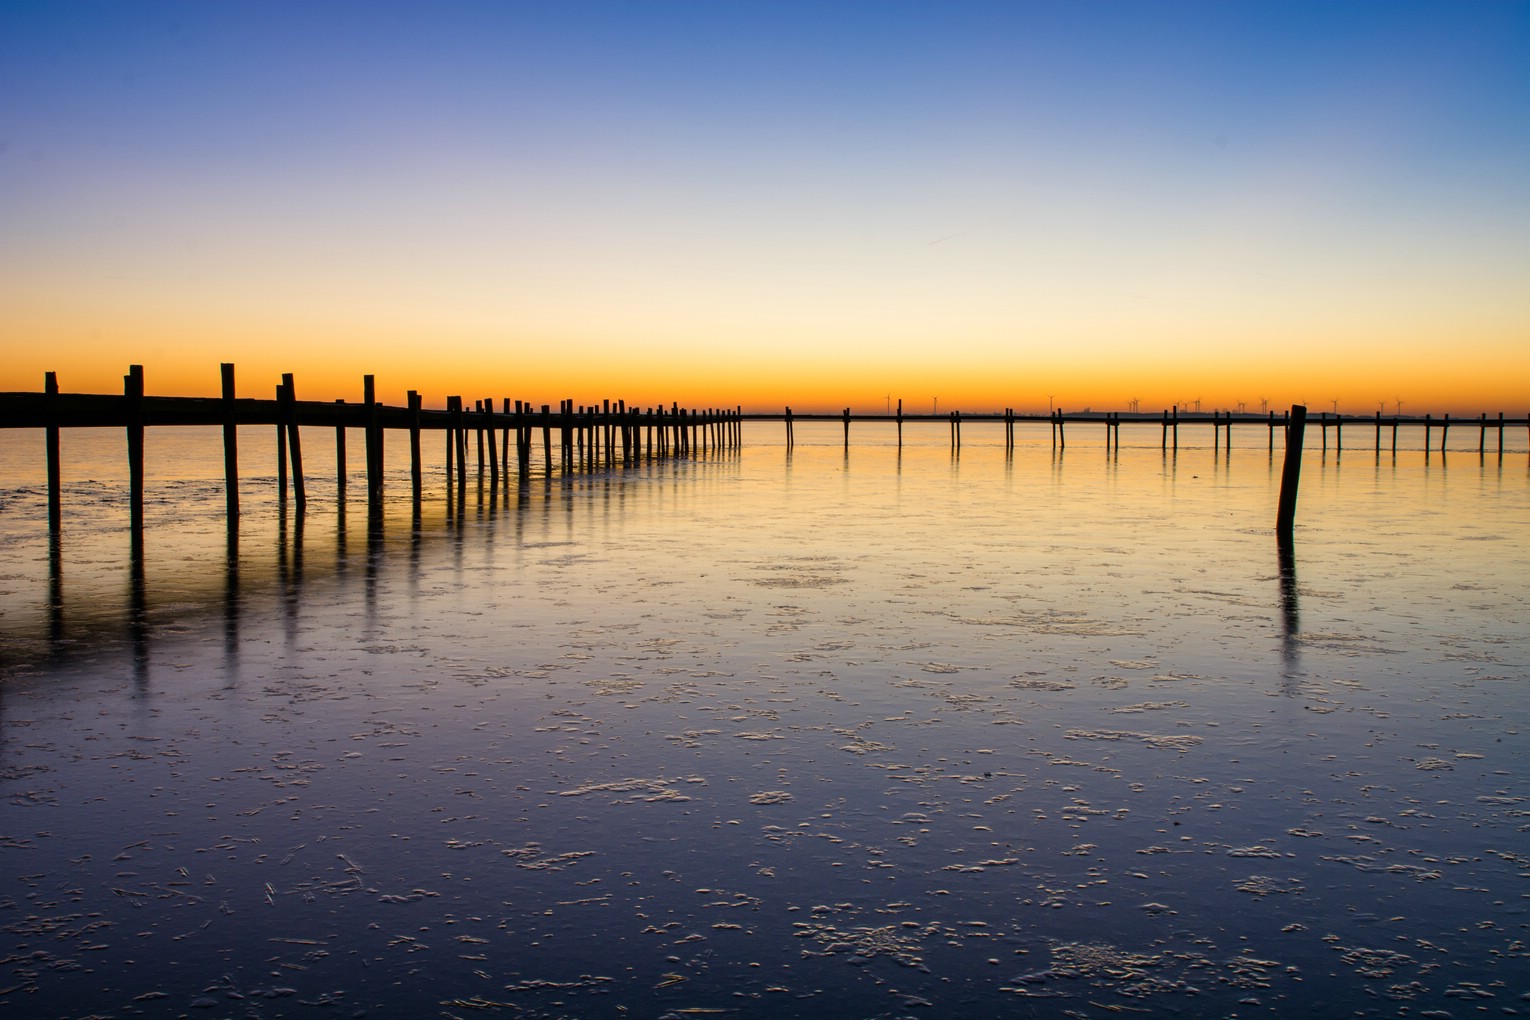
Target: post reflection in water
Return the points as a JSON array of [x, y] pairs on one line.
[[55, 588], [138, 609], [1290, 608], [231, 598]]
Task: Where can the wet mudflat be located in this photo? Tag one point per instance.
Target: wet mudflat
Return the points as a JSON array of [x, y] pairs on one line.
[[777, 734]]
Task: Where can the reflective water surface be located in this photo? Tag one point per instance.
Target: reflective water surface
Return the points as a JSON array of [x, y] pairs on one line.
[[794, 733]]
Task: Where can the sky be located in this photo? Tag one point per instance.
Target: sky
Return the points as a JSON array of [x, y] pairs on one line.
[[988, 205]]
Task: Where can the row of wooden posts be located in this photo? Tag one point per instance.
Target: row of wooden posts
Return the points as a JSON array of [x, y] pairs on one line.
[[587, 437], [1169, 423]]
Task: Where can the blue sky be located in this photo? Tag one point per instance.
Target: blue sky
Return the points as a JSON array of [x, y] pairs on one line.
[[1081, 191]]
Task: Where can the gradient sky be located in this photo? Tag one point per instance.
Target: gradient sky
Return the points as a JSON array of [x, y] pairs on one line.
[[762, 203]]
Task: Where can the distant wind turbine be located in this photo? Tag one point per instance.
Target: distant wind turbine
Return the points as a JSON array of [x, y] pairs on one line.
[[1264, 405], [1335, 405]]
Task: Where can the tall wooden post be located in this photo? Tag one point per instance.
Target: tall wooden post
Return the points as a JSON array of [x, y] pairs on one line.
[[55, 472], [294, 443], [416, 464], [132, 392], [281, 446], [230, 446], [374, 442], [459, 429], [451, 440], [340, 467], [1291, 474]]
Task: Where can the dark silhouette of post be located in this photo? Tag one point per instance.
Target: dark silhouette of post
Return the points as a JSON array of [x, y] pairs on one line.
[[416, 469], [132, 392], [55, 473], [340, 463], [294, 444], [230, 446], [1291, 475], [374, 442]]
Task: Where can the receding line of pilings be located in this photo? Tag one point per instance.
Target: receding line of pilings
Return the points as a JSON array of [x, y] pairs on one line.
[[590, 438], [1168, 421]]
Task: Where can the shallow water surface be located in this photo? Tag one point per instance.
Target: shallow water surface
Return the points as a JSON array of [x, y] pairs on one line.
[[772, 732]]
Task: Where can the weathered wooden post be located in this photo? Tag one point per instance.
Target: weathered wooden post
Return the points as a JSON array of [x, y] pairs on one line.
[[1444, 431], [547, 464], [459, 429], [55, 473], [488, 428], [504, 450], [340, 459], [790, 440], [294, 444], [416, 465], [132, 393], [230, 446], [451, 441], [281, 446], [374, 435], [1291, 474], [847, 428], [478, 430]]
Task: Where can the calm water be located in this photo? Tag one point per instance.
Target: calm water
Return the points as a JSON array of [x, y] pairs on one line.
[[772, 734]]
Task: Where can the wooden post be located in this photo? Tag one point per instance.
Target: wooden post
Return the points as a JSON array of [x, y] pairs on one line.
[[294, 444], [416, 463], [478, 428], [1444, 431], [504, 450], [340, 468], [1272, 431], [230, 446], [1428, 423], [1062, 438], [609, 434], [547, 464], [847, 428], [488, 428], [1291, 475], [900, 423], [55, 472], [281, 446], [1163, 437], [132, 392], [374, 442], [1500, 433], [790, 440], [1175, 427], [459, 430], [451, 441]]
